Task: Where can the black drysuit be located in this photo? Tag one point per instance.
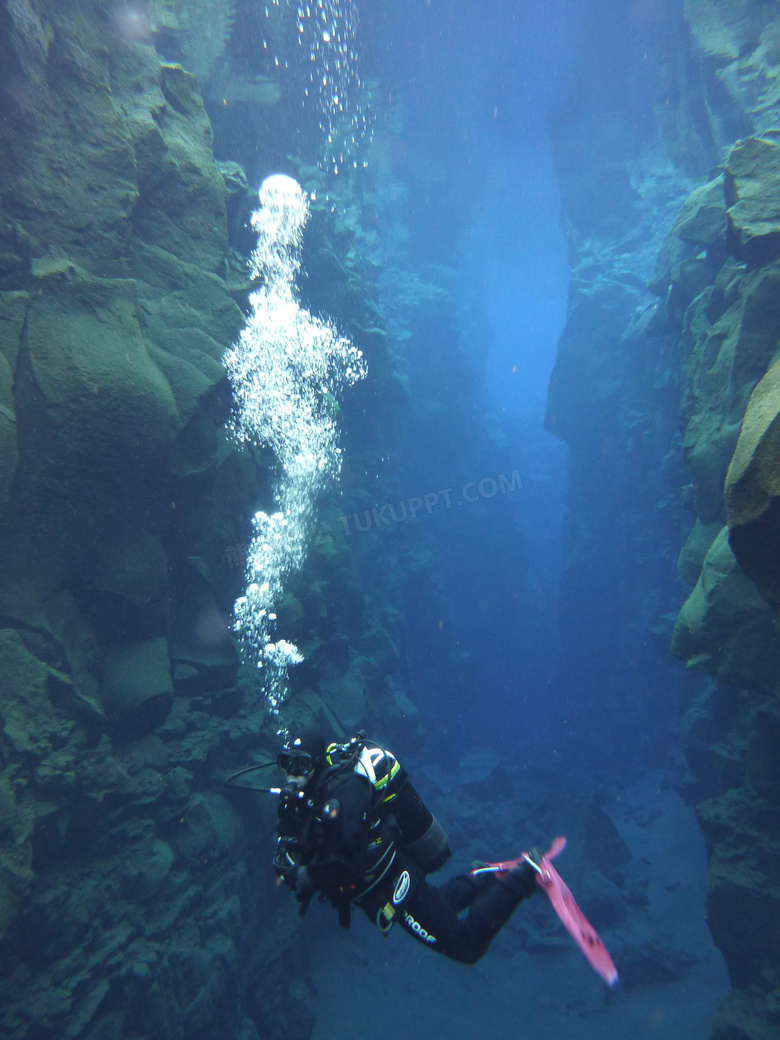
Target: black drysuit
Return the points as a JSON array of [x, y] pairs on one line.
[[353, 858]]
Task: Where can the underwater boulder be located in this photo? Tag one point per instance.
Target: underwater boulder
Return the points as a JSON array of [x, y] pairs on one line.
[[290, 615], [672, 253], [35, 736], [29, 725], [697, 545], [653, 962], [708, 443], [753, 489], [13, 315], [203, 656], [752, 182], [137, 690], [602, 901], [92, 383], [209, 828], [123, 587], [733, 347], [702, 218], [725, 627], [71, 643], [153, 869], [198, 30], [690, 279], [67, 158]]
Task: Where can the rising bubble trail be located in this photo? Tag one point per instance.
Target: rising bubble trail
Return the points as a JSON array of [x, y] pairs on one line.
[[286, 369]]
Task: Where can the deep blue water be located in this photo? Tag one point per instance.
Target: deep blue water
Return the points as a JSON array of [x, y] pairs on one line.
[[474, 83], [474, 87]]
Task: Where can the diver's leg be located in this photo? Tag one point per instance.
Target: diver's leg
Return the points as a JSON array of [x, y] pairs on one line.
[[431, 918], [461, 891]]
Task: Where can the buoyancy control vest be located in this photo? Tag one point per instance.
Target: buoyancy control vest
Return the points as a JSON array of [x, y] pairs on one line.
[[395, 802]]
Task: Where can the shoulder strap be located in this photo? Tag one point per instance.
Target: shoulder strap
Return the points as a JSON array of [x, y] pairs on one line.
[[378, 766], [366, 758]]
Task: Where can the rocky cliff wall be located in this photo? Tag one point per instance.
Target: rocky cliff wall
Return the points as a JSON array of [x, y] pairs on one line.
[[135, 894], [708, 345]]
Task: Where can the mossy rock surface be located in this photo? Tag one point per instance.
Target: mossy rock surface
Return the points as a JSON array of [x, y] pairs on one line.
[[725, 627], [697, 545], [702, 218], [753, 489], [88, 359], [752, 183], [731, 350], [743, 893]]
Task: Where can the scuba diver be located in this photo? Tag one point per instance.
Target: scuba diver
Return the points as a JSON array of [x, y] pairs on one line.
[[353, 829]]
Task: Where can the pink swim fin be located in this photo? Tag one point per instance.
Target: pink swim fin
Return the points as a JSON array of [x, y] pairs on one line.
[[565, 906]]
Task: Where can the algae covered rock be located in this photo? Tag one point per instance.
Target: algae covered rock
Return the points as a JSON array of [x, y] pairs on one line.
[[709, 442], [124, 321], [697, 545], [97, 387], [734, 340], [753, 489], [64, 143], [702, 219], [114, 315], [725, 627], [752, 181], [203, 653], [182, 198], [743, 895]]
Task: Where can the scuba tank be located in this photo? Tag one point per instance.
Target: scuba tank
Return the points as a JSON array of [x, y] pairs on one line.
[[421, 835]]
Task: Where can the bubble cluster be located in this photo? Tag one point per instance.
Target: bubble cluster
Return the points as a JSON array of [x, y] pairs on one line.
[[327, 41], [285, 370]]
